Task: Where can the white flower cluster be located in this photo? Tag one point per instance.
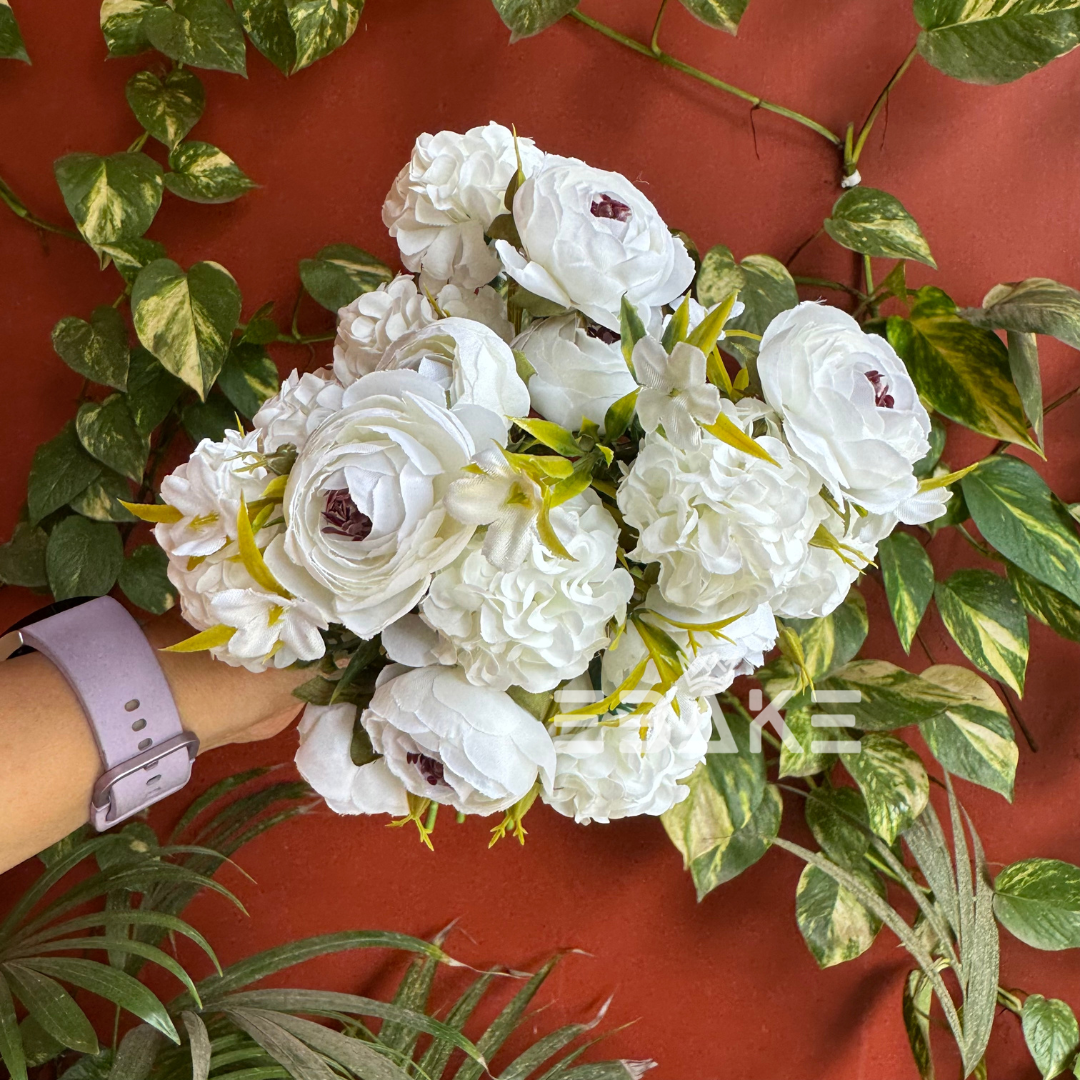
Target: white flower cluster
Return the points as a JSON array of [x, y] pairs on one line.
[[528, 474]]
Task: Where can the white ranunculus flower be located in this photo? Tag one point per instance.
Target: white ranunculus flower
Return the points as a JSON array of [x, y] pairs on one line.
[[847, 403], [626, 764], [365, 522], [325, 762], [375, 320], [675, 394], [471, 747], [297, 409], [207, 489], [443, 201], [577, 372], [471, 363], [589, 238], [729, 530], [541, 623]]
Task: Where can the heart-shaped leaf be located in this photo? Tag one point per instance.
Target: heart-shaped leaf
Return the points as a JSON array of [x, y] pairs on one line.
[[723, 14], [874, 222], [97, 349], [204, 174], [893, 782], [108, 433], [61, 470], [11, 42], [528, 17], [110, 198], [909, 582], [321, 26], [151, 390], [340, 273], [267, 25], [168, 108], [83, 558], [186, 319], [248, 378], [101, 499], [144, 581], [122, 25], [200, 33], [1038, 901], [22, 558]]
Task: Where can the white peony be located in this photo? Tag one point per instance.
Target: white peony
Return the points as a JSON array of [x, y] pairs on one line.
[[365, 522], [589, 238], [541, 623], [375, 320], [625, 764], [471, 363], [675, 394], [847, 403], [297, 409], [471, 747], [324, 760], [729, 530], [443, 201], [578, 371]]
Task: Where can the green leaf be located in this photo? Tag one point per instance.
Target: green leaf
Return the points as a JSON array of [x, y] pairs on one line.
[[834, 925], [12, 1052], [1046, 604], [1024, 365], [1038, 901], [984, 615], [122, 25], [117, 986], [908, 574], [833, 815], [974, 740], [100, 501], [130, 256], [198, 1045], [874, 222], [136, 1054], [248, 378], [1018, 514], [321, 26], [83, 558], [110, 198], [199, 33], [893, 782], [187, 320], [52, 1007], [98, 349], [11, 42], [340, 273], [267, 25], [38, 1045], [22, 558], [209, 419], [925, 466], [889, 696], [995, 42], [723, 14], [299, 1060], [1031, 306], [1051, 1033], [528, 17], [917, 1001], [60, 471], [739, 778], [151, 390], [961, 370], [355, 1054], [108, 433], [204, 174], [144, 581], [799, 717], [619, 414], [767, 289], [167, 108], [712, 849]]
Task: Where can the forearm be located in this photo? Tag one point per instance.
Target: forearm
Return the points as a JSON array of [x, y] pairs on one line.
[[48, 758]]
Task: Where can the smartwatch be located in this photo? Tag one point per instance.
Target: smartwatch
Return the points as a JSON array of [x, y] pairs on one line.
[[105, 657]]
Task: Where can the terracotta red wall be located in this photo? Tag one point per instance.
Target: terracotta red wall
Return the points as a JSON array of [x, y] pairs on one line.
[[724, 988]]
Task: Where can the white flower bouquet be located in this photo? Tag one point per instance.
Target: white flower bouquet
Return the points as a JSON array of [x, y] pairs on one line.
[[529, 524]]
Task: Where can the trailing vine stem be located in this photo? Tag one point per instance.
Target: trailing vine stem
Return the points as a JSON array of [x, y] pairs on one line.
[[852, 159], [654, 52], [19, 209]]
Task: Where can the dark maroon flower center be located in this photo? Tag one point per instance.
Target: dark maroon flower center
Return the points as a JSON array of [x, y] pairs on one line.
[[608, 337], [882, 398], [343, 517], [430, 769], [604, 206]]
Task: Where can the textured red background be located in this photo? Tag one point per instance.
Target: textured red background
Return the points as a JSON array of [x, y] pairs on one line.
[[724, 988]]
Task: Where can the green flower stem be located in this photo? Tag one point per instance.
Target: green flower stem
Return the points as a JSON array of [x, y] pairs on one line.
[[883, 97], [17, 207], [695, 73]]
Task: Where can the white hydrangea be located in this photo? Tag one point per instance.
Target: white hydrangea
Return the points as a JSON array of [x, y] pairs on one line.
[[444, 199], [579, 372], [541, 623], [375, 320], [728, 529], [299, 407]]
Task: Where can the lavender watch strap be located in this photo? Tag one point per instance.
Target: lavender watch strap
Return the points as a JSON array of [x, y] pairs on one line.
[[110, 665]]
